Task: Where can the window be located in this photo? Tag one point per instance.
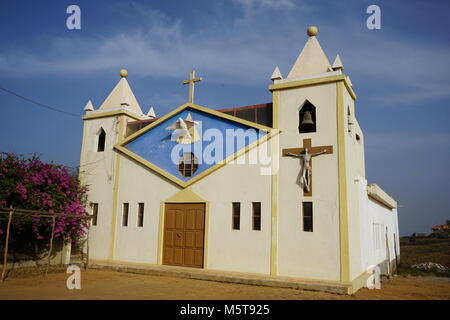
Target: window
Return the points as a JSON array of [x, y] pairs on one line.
[[101, 140], [256, 215], [126, 207], [140, 219], [236, 216], [349, 120], [94, 213], [307, 118], [188, 164], [307, 216], [358, 138]]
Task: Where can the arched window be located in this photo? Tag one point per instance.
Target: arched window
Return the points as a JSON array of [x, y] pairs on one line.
[[307, 118], [101, 140], [188, 164]]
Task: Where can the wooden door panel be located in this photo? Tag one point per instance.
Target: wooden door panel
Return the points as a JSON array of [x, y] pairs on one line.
[[168, 256], [170, 219], [179, 239], [199, 239], [200, 220], [168, 238], [179, 219], [178, 256], [190, 219], [184, 234], [189, 257], [190, 239]]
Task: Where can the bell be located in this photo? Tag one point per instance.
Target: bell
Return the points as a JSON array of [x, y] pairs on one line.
[[307, 119]]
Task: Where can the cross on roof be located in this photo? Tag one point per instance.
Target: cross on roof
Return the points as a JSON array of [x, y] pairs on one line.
[[191, 82]]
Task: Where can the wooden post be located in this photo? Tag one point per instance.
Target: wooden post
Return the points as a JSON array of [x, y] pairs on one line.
[[87, 246], [395, 250], [5, 257], [51, 245]]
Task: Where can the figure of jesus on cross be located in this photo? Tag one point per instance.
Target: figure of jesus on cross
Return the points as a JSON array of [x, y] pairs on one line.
[[306, 161]]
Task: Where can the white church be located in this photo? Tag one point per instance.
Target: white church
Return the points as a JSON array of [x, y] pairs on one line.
[[276, 189]]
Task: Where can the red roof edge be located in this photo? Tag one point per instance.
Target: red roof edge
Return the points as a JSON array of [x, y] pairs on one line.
[[254, 106]]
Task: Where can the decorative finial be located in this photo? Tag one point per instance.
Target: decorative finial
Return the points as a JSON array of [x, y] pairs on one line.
[[337, 64], [312, 31], [89, 106], [151, 113], [123, 73], [276, 75]]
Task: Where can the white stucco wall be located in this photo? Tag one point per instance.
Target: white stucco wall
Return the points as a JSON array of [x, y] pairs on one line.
[[316, 254], [97, 171], [376, 219]]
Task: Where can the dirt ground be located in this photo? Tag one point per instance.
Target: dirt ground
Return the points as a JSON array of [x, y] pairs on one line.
[[105, 284], [424, 250]]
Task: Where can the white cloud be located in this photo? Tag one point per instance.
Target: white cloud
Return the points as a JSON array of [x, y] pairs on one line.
[[273, 4], [243, 52]]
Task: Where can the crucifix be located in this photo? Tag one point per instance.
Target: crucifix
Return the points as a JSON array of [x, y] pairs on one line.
[[306, 154], [191, 82]]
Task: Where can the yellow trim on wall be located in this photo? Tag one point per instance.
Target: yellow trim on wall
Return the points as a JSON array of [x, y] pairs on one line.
[[113, 113], [275, 208], [275, 109], [314, 81], [342, 173], [162, 208], [185, 196], [115, 209], [274, 186], [83, 154]]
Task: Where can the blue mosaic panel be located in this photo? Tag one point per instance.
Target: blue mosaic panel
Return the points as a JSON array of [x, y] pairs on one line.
[[218, 140]]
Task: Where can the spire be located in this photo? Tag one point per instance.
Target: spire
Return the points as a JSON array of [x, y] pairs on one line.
[[151, 113], [89, 106], [337, 64], [312, 59], [121, 96], [276, 75]]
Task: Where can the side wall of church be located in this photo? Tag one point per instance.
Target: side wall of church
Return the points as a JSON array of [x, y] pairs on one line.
[[354, 162], [301, 252], [379, 232]]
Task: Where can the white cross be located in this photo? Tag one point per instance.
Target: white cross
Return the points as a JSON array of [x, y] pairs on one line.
[[191, 82]]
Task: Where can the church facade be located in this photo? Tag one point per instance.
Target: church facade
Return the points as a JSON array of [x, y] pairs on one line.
[[273, 189]]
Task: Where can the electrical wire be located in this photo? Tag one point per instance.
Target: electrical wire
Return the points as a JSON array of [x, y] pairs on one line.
[[39, 104]]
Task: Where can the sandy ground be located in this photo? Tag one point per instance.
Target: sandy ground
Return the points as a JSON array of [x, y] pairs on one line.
[[104, 284]]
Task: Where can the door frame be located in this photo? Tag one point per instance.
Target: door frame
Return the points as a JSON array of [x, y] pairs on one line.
[[184, 196]]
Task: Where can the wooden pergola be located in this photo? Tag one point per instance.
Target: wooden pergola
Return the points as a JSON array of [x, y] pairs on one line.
[[41, 214]]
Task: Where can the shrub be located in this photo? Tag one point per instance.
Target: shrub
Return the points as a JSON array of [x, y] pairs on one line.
[[28, 183]]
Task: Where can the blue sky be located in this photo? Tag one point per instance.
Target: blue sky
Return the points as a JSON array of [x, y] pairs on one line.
[[400, 74]]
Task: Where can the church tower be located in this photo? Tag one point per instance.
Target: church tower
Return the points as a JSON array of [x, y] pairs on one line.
[[321, 160], [99, 163]]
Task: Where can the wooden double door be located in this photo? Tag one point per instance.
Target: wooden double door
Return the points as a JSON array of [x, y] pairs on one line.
[[184, 233]]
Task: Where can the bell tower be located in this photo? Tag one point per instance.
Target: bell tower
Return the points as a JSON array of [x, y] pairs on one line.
[[319, 159], [99, 162]]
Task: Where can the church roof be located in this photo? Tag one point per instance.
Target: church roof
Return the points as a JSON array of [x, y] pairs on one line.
[[312, 60], [257, 113], [121, 96]]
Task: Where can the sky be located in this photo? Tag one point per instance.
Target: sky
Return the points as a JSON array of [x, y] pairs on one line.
[[400, 74]]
